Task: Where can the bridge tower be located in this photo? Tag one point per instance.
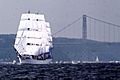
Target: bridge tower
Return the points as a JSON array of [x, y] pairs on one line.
[[84, 27]]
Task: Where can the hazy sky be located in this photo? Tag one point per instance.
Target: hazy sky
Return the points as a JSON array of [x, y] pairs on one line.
[[58, 12]]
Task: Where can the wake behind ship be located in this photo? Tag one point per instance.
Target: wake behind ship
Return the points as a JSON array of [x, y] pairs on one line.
[[33, 41]]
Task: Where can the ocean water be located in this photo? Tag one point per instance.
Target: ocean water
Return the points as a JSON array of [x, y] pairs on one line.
[[82, 71]]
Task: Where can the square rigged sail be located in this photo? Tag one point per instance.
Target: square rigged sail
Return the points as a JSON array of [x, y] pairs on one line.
[[33, 36]]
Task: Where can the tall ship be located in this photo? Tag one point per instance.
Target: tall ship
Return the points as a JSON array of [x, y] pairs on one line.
[[33, 43]]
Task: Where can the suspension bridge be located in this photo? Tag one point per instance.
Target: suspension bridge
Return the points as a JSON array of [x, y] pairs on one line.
[[87, 38], [87, 27]]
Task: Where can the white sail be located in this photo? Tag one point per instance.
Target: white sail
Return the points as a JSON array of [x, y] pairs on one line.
[[97, 59], [33, 36]]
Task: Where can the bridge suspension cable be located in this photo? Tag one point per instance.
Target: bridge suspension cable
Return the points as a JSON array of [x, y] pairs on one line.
[[103, 21], [67, 26], [102, 30]]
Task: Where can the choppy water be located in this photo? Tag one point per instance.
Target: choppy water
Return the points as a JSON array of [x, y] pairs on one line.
[[83, 71]]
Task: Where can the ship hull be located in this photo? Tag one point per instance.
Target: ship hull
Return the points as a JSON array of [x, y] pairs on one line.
[[33, 61]]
